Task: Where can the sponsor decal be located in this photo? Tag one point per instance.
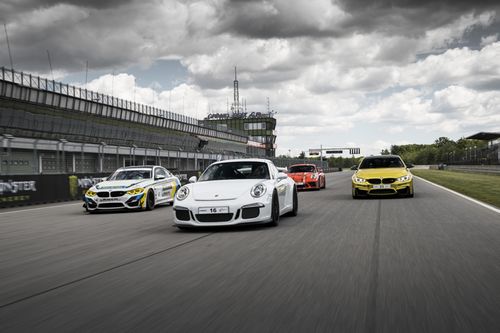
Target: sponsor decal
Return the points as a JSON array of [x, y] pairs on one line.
[[14, 187]]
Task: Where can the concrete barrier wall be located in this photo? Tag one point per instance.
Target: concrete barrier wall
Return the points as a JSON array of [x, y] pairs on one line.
[[19, 190]]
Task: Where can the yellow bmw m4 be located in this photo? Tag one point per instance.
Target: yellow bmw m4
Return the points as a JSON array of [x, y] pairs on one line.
[[382, 175]]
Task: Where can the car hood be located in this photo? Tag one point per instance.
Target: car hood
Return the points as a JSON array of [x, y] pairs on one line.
[[223, 189], [382, 173], [120, 184]]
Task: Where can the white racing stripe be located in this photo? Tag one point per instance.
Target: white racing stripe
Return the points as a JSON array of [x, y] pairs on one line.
[[490, 207], [38, 208]]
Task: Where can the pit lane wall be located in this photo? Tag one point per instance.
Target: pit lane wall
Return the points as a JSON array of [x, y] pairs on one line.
[[19, 190]]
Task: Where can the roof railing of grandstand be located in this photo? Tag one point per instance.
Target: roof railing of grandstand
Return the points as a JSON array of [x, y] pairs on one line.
[[36, 82]]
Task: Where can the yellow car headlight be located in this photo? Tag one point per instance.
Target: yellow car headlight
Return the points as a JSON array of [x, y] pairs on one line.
[[404, 178], [358, 180], [135, 191], [90, 193]]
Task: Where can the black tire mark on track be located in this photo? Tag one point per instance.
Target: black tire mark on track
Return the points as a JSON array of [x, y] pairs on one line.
[[102, 272]]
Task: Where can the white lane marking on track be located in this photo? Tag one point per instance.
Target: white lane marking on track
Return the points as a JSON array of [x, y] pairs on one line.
[[496, 210], [25, 210]]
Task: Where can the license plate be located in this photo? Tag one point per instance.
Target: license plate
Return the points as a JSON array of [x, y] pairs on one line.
[[213, 210], [105, 199], [382, 186]]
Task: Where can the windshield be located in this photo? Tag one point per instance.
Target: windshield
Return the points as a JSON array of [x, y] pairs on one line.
[[381, 162], [131, 174], [302, 168], [236, 170]]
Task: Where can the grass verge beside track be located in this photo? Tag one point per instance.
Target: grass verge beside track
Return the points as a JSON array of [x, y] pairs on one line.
[[485, 188]]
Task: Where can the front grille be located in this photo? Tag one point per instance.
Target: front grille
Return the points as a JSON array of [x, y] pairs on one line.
[[111, 205], [103, 194], [382, 191], [250, 213], [388, 180], [214, 217], [374, 181], [182, 215], [115, 194]]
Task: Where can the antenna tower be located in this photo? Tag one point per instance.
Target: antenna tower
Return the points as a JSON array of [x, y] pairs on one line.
[[236, 102]]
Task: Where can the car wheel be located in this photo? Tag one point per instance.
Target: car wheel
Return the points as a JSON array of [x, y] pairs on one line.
[[355, 194], [150, 200], [324, 183], [295, 203], [275, 211], [411, 193]]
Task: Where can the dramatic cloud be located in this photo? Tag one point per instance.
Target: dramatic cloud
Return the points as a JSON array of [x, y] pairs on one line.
[[366, 73]]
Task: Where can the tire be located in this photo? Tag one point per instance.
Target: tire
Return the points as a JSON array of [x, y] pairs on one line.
[[183, 228], [150, 200], [275, 211], [295, 200], [324, 183], [411, 193], [355, 194]]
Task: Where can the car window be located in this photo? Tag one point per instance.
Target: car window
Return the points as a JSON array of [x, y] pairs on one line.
[[131, 174], [160, 172], [381, 162], [301, 168], [236, 170]]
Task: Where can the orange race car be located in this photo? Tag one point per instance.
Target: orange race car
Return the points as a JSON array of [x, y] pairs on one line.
[[307, 176]]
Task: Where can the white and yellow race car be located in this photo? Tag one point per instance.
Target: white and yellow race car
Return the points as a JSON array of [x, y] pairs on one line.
[[134, 187]]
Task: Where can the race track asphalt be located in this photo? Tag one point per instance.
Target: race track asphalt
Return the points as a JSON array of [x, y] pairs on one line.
[[425, 264]]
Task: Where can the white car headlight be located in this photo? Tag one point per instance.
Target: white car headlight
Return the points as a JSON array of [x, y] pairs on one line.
[[314, 176], [182, 193], [258, 190], [358, 180], [404, 178]]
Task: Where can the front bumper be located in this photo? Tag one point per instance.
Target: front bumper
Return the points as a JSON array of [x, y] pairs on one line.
[[187, 214], [383, 189], [114, 203], [306, 183]]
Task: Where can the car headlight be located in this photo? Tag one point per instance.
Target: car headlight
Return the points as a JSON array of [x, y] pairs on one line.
[[135, 191], [404, 178], [258, 190], [90, 193], [314, 176], [358, 180], [182, 193]]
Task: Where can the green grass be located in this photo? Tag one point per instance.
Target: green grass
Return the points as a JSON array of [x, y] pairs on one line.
[[485, 188]]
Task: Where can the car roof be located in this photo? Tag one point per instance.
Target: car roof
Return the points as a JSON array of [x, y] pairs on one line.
[[136, 167], [303, 164], [246, 160], [382, 156]]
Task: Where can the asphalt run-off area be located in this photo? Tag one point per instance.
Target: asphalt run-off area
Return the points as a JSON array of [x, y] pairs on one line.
[[425, 264]]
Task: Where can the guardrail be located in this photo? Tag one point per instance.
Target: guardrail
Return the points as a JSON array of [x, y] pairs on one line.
[[490, 169]]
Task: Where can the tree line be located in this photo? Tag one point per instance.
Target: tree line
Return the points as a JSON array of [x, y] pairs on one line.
[[443, 150]]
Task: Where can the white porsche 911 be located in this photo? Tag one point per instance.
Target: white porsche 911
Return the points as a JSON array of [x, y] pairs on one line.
[[134, 187], [231, 192]]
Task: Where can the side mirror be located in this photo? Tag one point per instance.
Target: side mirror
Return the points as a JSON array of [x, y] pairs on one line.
[[410, 165], [193, 179], [282, 176], [159, 177]]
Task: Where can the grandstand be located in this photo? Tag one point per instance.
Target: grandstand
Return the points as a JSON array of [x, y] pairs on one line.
[[52, 127]]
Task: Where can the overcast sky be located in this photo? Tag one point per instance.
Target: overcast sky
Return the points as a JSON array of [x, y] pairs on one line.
[[339, 73]]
